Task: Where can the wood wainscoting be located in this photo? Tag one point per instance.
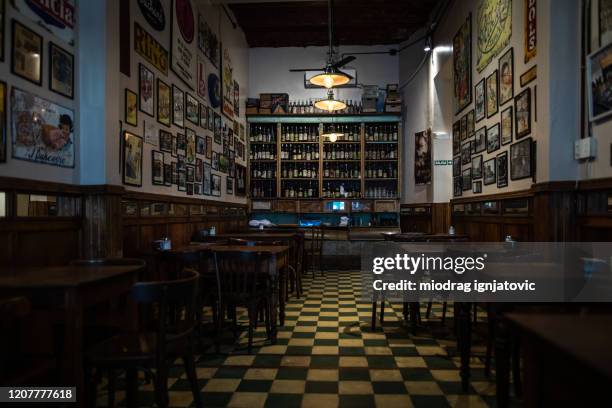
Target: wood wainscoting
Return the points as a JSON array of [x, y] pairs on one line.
[[430, 218]]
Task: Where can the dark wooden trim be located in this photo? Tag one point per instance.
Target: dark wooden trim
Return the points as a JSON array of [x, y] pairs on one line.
[[596, 184], [37, 186], [139, 196], [494, 197]]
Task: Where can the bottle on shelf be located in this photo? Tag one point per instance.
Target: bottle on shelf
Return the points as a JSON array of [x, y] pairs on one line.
[[299, 189]]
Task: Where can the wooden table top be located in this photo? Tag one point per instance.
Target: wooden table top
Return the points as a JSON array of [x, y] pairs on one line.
[[269, 249], [68, 276], [190, 248], [586, 338], [258, 234]]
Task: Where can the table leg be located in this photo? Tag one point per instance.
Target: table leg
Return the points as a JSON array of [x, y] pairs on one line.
[[282, 295], [414, 317], [73, 374], [464, 340]]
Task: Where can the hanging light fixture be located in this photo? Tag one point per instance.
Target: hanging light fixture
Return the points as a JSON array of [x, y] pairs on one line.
[[332, 76], [330, 104], [332, 134]]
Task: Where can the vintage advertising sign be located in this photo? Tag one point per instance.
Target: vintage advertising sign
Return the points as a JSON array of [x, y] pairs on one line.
[[183, 53], [494, 23], [149, 49], [42, 130], [530, 30], [57, 16], [227, 84], [153, 12]]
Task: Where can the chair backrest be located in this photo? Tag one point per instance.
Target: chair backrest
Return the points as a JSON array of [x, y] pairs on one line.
[[109, 262], [240, 272], [317, 235]]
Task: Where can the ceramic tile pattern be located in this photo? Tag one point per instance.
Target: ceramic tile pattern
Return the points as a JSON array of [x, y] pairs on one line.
[[327, 356]]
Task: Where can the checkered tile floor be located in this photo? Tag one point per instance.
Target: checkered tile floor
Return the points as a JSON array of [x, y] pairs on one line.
[[327, 356]]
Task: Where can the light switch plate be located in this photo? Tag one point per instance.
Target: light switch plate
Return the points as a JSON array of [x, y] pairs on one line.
[[585, 148]]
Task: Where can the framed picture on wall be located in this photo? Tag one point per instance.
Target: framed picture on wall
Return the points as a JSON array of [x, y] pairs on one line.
[[200, 145], [157, 168], [520, 160], [236, 99], [605, 22], [477, 187], [480, 140], [209, 143], [209, 118], [477, 167], [181, 145], [507, 124], [456, 138], [131, 108], [229, 188], [600, 83], [178, 106], [190, 145], [466, 152], [492, 94], [206, 179], [217, 131], [502, 170], [464, 130], [164, 102], [132, 159], [488, 172], [240, 180], [216, 185], [466, 176], [191, 109], [198, 170], [2, 25], [61, 71], [470, 123], [27, 53], [480, 100], [462, 65], [506, 72], [493, 138], [456, 166], [457, 186], [3, 121], [522, 113], [167, 174], [146, 81], [203, 118]]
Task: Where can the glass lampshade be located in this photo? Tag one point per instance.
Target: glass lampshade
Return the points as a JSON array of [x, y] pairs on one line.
[[330, 104], [330, 78]]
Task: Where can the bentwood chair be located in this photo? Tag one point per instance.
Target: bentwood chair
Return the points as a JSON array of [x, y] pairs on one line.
[[315, 249], [169, 336], [245, 282]]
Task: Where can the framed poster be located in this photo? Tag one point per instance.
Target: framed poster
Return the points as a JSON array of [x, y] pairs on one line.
[[189, 189], [507, 124], [209, 143], [240, 180], [488, 171], [153, 12], [206, 179], [531, 29], [61, 71], [182, 35], [494, 25], [529, 75], [236, 99], [477, 187], [131, 108], [178, 106], [132, 159], [191, 109], [190, 140], [217, 130], [27, 53], [599, 66], [3, 121], [470, 123], [58, 17], [167, 174], [605, 22], [506, 72], [215, 161], [466, 177], [201, 88], [208, 43], [150, 136], [209, 118], [200, 145], [480, 100], [466, 152], [157, 168], [480, 141], [198, 170], [520, 160], [165, 141], [522, 113], [227, 84], [422, 157], [493, 141], [462, 65], [203, 118], [229, 185], [146, 81], [492, 94], [464, 132], [456, 138], [164, 103], [457, 186], [42, 131], [456, 166], [150, 49], [181, 145], [190, 173], [216, 185], [477, 167], [502, 170]]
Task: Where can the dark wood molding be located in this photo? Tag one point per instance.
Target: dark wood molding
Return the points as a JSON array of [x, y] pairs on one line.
[[139, 196], [37, 186], [493, 197]]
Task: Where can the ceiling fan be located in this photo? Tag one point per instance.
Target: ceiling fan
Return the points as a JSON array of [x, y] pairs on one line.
[[332, 75]]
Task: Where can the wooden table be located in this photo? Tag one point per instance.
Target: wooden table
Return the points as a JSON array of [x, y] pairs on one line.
[[567, 358], [279, 260], [420, 237], [80, 287]]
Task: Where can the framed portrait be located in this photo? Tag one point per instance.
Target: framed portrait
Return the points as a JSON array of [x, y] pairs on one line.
[[480, 100], [599, 79], [200, 145], [456, 166], [61, 71], [182, 178], [206, 179], [477, 187], [203, 119], [471, 123], [493, 142], [164, 103], [492, 94], [190, 173], [209, 118], [191, 109], [190, 146], [157, 168], [3, 119], [146, 81], [165, 141], [462, 65], [457, 186], [480, 140], [464, 131], [488, 172], [506, 80], [520, 160], [131, 108], [457, 138], [422, 157], [466, 152], [174, 146], [181, 145], [174, 173], [42, 131], [178, 106], [240, 180], [229, 185], [198, 170], [466, 177], [236, 99], [477, 167], [167, 174], [216, 185], [507, 125], [132, 159], [522, 113], [27, 53], [502, 170], [217, 130], [209, 143]]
